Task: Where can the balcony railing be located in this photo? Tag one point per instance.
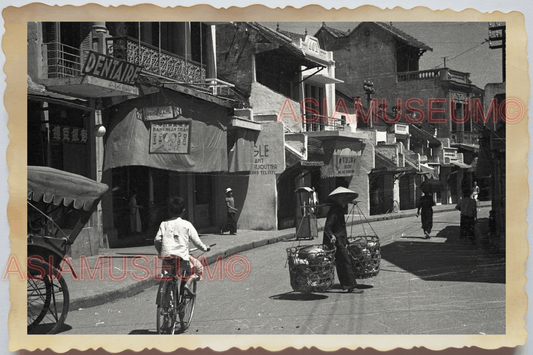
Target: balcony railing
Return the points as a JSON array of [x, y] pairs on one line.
[[313, 123], [418, 75], [465, 137], [62, 61], [443, 73], [156, 60]]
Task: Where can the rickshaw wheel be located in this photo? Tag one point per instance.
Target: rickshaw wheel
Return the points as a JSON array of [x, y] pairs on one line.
[[47, 298]]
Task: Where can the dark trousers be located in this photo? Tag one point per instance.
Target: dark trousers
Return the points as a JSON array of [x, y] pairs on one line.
[[467, 227], [231, 223], [427, 220], [343, 264]]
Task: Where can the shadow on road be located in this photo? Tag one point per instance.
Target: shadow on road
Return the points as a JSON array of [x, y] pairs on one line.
[[130, 255], [453, 260], [297, 296], [142, 332], [45, 328]]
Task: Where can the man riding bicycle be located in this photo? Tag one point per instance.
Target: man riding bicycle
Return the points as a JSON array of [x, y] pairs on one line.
[[173, 239]]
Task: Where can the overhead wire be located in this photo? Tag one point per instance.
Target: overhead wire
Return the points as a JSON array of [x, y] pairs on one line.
[[468, 50]]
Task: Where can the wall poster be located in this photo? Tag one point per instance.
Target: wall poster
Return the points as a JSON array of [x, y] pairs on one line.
[[170, 137]]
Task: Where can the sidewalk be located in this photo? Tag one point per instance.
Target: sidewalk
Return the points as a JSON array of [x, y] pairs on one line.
[[123, 272]]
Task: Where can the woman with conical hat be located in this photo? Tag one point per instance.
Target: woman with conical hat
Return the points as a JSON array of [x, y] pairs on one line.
[[336, 236]]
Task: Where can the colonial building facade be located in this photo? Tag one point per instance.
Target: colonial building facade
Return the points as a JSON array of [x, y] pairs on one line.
[[138, 106], [387, 59], [289, 82]]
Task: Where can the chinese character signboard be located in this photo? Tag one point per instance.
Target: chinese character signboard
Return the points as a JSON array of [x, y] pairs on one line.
[[67, 134], [171, 137]]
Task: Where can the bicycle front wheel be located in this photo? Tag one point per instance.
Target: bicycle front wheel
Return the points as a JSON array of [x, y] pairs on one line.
[[187, 301], [47, 298], [166, 308]]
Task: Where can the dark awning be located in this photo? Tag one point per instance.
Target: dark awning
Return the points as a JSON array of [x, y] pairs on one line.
[[423, 135], [131, 139], [61, 187], [386, 166], [39, 92]]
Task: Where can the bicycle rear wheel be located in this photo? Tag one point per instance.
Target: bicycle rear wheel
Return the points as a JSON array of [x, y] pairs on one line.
[[166, 308], [47, 298], [186, 307]]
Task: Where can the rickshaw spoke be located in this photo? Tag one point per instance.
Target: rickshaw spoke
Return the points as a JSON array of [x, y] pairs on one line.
[[53, 224], [48, 300]]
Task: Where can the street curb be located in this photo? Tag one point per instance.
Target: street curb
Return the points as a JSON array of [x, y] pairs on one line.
[[110, 296], [138, 287]]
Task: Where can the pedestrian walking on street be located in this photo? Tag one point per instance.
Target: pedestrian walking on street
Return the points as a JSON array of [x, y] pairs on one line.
[[468, 207], [231, 222], [173, 239], [336, 236], [426, 204]]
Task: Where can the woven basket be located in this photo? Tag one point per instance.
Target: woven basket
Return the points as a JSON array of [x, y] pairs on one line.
[[365, 252], [311, 268]]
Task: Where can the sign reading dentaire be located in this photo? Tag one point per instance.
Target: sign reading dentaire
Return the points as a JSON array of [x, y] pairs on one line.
[[109, 68]]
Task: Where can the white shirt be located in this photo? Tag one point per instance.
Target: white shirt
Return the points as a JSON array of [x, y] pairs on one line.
[[175, 235]]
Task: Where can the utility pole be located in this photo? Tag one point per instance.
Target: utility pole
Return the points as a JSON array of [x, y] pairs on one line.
[[497, 40], [368, 87]]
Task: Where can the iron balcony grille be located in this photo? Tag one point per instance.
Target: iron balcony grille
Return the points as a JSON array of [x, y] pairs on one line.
[[155, 60]]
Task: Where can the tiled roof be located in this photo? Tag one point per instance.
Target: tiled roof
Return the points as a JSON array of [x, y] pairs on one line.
[[284, 41], [333, 31], [403, 36], [395, 32], [294, 36]]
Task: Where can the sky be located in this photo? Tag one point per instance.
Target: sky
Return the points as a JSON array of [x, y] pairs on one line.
[[463, 43]]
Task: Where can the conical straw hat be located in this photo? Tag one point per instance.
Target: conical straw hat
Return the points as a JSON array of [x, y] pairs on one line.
[[342, 196]]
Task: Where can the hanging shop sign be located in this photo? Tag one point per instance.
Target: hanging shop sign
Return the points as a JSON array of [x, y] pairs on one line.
[[345, 160], [67, 134], [110, 68], [160, 113], [171, 137]]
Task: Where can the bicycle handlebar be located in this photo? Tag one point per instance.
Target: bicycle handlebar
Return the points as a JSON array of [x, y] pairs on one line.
[[193, 249]]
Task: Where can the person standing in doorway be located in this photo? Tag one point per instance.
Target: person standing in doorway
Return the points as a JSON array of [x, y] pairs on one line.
[[135, 215], [475, 193], [231, 223], [426, 204]]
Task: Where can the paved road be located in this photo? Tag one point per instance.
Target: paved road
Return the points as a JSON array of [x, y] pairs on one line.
[[435, 286]]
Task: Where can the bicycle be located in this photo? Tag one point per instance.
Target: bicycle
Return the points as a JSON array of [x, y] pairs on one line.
[[174, 300]]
